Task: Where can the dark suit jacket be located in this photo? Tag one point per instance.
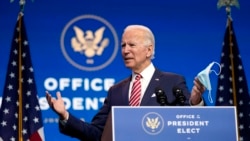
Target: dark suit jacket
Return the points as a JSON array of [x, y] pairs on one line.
[[118, 96]]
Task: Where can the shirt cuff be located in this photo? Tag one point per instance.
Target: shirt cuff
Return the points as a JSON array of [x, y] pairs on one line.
[[64, 122], [199, 104]]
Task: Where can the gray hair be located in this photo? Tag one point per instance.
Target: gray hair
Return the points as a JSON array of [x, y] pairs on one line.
[[150, 39]]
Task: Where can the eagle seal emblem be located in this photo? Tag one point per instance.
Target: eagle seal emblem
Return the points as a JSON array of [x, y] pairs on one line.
[[89, 42]]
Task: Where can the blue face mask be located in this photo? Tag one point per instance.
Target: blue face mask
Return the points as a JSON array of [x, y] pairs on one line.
[[203, 77]]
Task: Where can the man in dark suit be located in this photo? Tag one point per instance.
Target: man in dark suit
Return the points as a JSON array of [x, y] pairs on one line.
[[138, 45]]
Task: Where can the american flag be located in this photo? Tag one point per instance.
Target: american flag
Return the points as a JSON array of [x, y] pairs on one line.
[[232, 89], [21, 117]]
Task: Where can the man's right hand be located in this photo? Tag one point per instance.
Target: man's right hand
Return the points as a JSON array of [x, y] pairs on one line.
[[57, 105]]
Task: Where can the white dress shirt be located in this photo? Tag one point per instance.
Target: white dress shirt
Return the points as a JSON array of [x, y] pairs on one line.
[[146, 74]]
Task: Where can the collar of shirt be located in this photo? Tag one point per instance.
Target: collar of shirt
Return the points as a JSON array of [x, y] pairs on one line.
[[146, 74]]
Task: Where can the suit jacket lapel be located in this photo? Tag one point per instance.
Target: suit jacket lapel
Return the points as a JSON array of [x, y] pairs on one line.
[[154, 82], [125, 90]]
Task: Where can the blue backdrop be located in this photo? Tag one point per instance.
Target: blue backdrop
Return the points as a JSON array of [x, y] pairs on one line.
[[189, 35]]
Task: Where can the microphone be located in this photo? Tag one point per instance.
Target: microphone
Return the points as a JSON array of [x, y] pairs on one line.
[[180, 98], [161, 97]]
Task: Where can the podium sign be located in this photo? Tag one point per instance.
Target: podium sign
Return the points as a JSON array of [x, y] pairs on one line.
[[174, 123]]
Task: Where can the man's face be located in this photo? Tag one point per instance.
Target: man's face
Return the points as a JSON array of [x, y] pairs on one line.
[[135, 54]]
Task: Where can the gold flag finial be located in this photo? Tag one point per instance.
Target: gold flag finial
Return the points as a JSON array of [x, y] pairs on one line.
[[228, 4], [21, 3]]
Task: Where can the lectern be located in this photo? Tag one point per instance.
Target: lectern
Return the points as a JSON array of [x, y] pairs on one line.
[[210, 123]]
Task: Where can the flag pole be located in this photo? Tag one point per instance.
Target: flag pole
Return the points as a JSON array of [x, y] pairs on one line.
[[22, 117], [228, 4], [20, 112]]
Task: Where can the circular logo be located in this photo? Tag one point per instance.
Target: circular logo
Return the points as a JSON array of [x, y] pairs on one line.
[[89, 42], [152, 123]]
